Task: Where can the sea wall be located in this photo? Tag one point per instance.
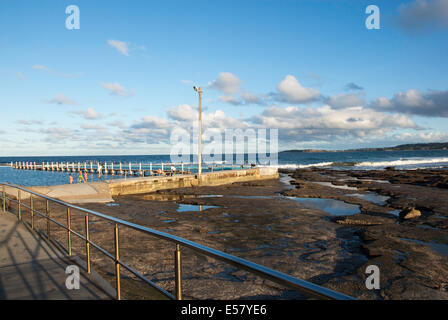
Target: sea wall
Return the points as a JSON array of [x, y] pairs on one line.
[[104, 191], [152, 184]]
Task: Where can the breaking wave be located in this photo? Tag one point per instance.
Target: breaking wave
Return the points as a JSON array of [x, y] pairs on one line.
[[403, 162], [410, 163]]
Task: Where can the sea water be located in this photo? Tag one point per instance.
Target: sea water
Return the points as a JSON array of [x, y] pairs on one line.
[[361, 160]]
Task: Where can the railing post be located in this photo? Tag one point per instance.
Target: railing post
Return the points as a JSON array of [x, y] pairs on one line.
[[32, 211], [87, 244], [48, 214], [178, 271], [4, 198], [69, 234], [19, 198], [117, 264]]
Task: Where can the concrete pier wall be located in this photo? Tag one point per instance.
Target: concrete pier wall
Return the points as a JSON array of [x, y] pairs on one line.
[[104, 191], [152, 184]]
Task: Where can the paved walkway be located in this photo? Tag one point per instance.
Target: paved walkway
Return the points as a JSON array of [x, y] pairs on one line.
[[31, 268]]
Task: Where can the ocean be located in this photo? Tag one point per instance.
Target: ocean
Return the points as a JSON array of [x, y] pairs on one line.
[[365, 160]]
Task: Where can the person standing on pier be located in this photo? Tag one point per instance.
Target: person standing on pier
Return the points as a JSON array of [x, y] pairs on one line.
[[100, 167], [80, 177], [70, 179]]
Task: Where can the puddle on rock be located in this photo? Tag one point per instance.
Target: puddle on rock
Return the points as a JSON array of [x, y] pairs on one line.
[[371, 197], [372, 180], [286, 180], [395, 212], [193, 207], [177, 197], [427, 227], [330, 206], [252, 197], [440, 248], [112, 204], [329, 184]]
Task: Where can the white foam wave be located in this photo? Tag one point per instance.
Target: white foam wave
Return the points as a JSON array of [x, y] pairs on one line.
[[301, 166], [402, 162]]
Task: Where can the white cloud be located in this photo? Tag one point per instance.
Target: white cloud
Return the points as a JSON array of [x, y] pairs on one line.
[[57, 74], [230, 99], [29, 122], [421, 137], [40, 67], [294, 123], [96, 128], [61, 99], [430, 104], [117, 124], [121, 46], [421, 14], [250, 98], [117, 89], [58, 134], [290, 90], [353, 86], [226, 82], [304, 125], [151, 122], [325, 123], [89, 114], [183, 112], [341, 101]]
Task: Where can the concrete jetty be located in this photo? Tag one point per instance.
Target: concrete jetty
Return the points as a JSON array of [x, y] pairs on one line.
[[117, 168], [34, 269], [105, 191]]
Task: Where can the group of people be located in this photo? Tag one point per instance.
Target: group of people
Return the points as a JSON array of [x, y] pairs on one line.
[[82, 178]]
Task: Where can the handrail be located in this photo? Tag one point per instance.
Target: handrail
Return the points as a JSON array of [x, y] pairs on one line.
[[300, 285]]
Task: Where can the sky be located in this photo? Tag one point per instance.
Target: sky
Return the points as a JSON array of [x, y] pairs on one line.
[[123, 82]]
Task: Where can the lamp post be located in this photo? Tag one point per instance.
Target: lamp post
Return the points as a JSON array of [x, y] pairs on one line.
[[199, 91]]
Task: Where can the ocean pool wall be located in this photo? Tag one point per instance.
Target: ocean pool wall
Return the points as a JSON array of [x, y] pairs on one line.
[[152, 184], [104, 191]]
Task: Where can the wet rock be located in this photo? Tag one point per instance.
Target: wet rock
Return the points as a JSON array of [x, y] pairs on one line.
[[410, 213], [356, 222], [359, 220]]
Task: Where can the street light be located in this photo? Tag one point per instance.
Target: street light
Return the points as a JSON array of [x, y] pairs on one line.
[[199, 91]]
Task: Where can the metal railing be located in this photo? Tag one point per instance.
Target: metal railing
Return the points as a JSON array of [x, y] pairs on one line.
[[305, 287]]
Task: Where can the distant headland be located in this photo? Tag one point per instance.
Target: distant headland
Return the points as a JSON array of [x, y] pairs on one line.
[[401, 147]]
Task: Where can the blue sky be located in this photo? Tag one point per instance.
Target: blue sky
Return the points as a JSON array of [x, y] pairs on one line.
[[123, 81]]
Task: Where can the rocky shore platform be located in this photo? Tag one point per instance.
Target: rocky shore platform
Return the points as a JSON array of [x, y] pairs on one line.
[[324, 226], [402, 225]]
